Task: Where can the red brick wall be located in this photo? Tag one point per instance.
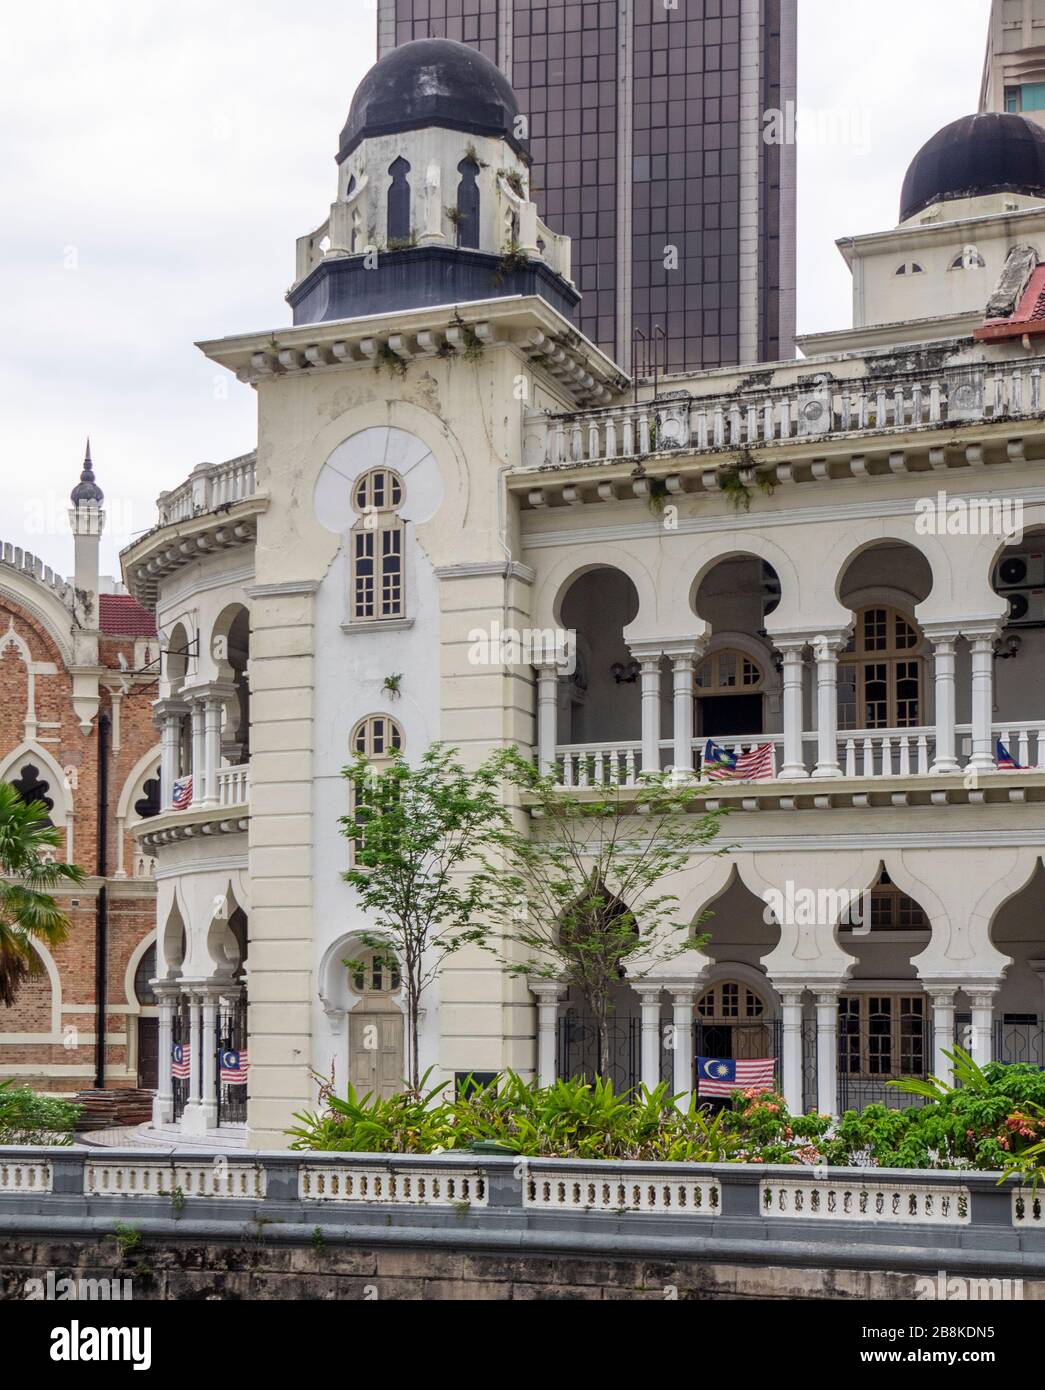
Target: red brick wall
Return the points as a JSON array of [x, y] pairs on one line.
[[131, 918]]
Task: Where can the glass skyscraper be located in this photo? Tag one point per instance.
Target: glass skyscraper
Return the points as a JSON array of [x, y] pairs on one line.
[[646, 126]]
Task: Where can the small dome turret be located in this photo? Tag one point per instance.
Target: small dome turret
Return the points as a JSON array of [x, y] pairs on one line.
[[87, 490], [992, 152]]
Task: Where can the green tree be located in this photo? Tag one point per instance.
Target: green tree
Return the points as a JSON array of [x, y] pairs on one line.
[[582, 888], [28, 911], [414, 830]]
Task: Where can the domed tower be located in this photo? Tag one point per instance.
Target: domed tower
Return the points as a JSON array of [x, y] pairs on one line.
[[433, 203], [971, 231]]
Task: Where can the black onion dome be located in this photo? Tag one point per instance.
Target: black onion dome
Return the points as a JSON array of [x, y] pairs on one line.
[[87, 490], [992, 152], [432, 82]]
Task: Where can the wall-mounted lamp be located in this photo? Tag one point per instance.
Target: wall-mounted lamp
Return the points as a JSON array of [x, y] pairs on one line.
[[625, 673], [1012, 645]]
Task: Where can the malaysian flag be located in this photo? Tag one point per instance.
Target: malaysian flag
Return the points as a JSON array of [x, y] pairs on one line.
[[721, 765], [180, 1058], [721, 1076], [233, 1067], [1005, 760], [181, 797]]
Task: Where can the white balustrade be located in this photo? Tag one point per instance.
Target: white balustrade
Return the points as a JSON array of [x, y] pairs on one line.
[[25, 1176], [810, 409], [106, 1178], [582, 1192], [862, 753], [884, 1202], [209, 486], [376, 1186], [1028, 1208], [234, 785]]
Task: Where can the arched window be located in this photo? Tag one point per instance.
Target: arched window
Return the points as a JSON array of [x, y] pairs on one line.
[[727, 673], [377, 737], [468, 204], [889, 909], [908, 268], [880, 673], [377, 548], [399, 202], [145, 973], [148, 804], [375, 973], [30, 786], [730, 1000], [968, 259]]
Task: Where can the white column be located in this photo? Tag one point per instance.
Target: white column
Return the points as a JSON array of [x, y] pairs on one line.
[[943, 1030], [649, 999], [981, 645], [547, 715], [212, 711], [982, 1001], [827, 1051], [791, 1048], [943, 644], [794, 664], [192, 1115], [683, 664], [163, 1101], [169, 716], [682, 1068], [825, 650], [548, 993], [209, 1060], [650, 678], [197, 753]]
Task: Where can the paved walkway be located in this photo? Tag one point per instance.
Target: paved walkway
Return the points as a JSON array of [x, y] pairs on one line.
[[166, 1139]]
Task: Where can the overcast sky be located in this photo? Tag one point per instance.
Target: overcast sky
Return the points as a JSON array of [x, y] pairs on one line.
[[158, 161]]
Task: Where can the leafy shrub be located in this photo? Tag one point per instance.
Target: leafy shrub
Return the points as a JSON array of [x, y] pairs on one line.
[[995, 1119], [29, 1118]]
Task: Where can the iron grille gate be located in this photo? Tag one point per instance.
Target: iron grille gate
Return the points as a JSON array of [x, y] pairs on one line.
[[579, 1049], [232, 1034], [1022, 1041]]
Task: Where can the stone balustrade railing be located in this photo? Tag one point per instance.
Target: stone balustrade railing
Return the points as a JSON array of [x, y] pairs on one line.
[[208, 487], [810, 409], [862, 753], [939, 1219], [234, 785]]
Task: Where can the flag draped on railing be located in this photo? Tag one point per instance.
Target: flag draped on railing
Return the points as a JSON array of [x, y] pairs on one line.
[[721, 765], [721, 1076], [181, 795]]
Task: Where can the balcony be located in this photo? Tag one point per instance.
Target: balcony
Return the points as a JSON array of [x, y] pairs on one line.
[[805, 411], [871, 755], [208, 487]]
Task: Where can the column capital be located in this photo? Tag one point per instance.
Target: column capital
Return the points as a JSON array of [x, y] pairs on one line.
[[173, 708], [681, 650], [827, 996], [982, 630], [547, 991], [649, 995], [941, 996], [942, 633], [827, 645], [982, 996], [791, 996], [644, 651]]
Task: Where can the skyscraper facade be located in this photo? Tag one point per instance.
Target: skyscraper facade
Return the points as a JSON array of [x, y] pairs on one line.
[[1014, 65], [647, 123]]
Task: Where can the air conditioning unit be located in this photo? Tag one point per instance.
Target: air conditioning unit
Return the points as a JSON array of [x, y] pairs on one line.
[[1023, 571], [1026, 607]]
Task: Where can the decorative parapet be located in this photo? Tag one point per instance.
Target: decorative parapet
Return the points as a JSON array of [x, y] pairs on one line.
[[25, 563]]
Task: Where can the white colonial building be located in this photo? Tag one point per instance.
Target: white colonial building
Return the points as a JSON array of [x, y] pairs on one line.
[[843, 556]]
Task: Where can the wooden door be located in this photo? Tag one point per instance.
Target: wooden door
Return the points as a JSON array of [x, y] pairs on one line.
[[148, 1053], [375, 1052]]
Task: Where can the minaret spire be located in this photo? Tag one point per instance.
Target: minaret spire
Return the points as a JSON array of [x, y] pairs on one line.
[[87, 490]]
